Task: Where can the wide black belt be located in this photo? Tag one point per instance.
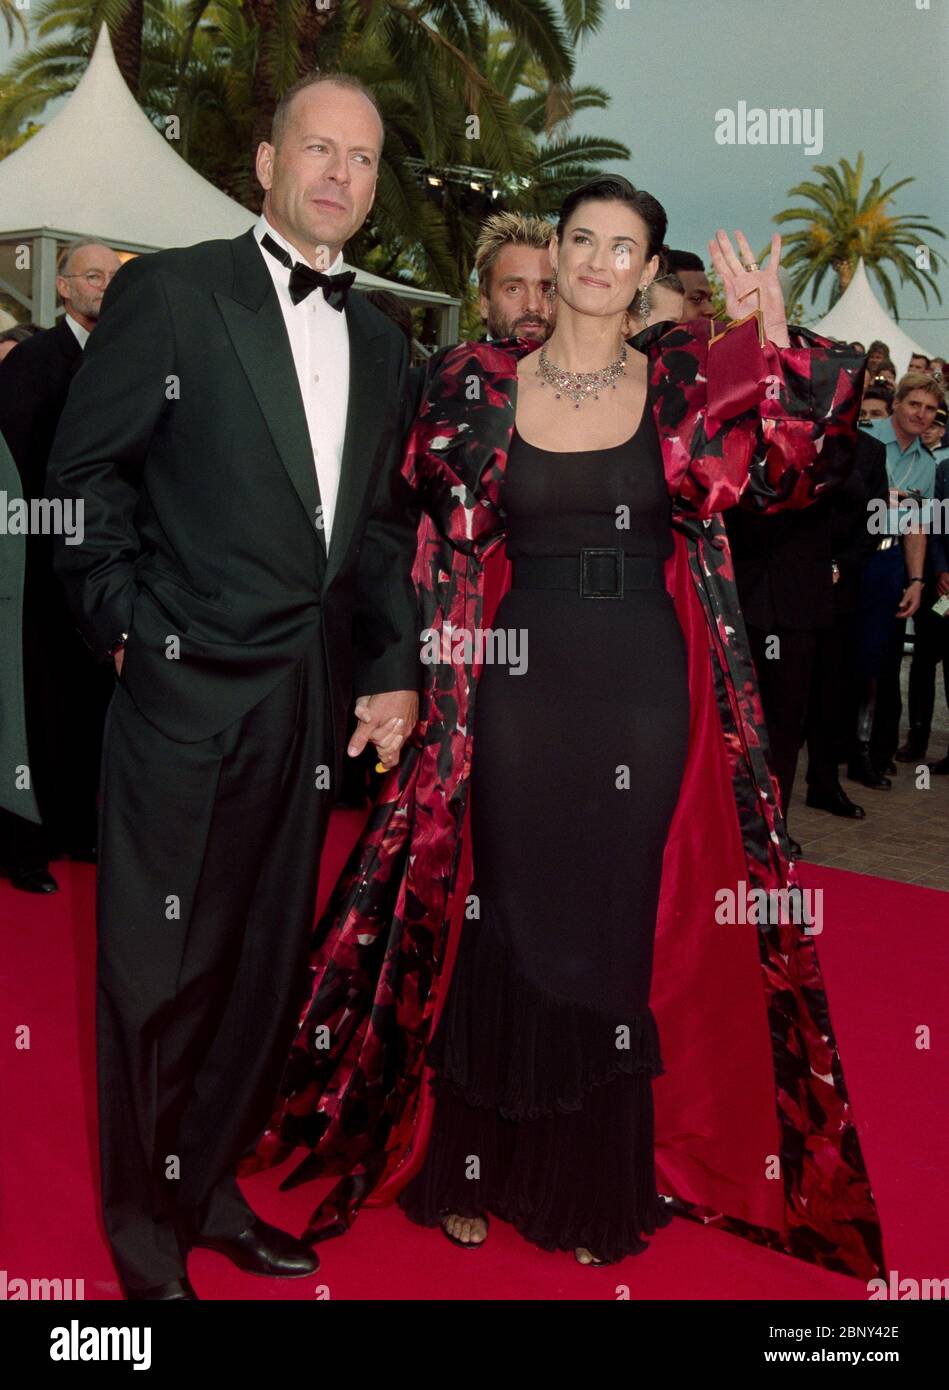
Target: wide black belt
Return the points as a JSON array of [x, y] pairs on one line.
[[593, 572]]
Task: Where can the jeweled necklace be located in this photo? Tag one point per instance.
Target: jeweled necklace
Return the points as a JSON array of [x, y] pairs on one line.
[[579, 386]]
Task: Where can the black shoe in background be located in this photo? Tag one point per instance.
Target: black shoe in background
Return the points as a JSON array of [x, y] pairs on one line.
[[861, 769], [838, 803]]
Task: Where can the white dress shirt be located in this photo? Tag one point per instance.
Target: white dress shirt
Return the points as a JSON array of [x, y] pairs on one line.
[[82, 333], [319, 342]]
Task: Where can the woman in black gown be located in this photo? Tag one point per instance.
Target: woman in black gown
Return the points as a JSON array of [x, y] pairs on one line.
[[567, 775], [545, 1055]]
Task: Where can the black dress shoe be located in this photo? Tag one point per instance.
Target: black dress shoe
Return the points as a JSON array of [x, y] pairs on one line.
[[911, 752], [861, 770], [175, 1288], [796, 850], [941, 768], [891, 768], [838, 803], [263, 1249], [35, 881]]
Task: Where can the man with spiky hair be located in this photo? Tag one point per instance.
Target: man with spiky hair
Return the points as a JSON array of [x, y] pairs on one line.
[[515, 276]]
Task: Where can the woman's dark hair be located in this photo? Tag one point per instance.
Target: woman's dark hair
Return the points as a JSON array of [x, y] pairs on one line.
[[614, 188]]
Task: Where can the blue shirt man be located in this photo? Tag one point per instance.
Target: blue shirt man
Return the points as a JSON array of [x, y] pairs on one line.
[[910, 469]]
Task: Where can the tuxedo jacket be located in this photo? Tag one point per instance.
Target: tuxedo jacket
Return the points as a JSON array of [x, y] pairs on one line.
[[783, 563], [853, 541], [185, 436]]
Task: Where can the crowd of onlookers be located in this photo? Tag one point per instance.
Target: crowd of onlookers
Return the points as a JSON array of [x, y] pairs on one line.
[[826, 592]]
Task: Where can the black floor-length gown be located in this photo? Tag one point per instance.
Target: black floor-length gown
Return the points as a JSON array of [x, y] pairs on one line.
[[547, 1047]]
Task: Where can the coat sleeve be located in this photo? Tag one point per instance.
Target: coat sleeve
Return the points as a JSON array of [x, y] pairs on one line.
[[770, 428], [385, 628], [861, 540], [24, 415], [938, 541]]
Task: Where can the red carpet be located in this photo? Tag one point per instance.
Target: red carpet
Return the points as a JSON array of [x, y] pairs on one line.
[[885, 956]]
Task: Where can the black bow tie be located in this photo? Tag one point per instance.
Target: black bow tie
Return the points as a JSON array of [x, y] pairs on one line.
[[304, 280]]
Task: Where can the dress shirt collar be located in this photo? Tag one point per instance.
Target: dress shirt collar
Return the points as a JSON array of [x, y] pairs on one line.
[[264, 228], [82, 333]]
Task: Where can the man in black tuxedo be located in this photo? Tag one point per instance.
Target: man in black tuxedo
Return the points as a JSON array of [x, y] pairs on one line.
[[784, 574], [236, 436], [66, 694], [831, 715]]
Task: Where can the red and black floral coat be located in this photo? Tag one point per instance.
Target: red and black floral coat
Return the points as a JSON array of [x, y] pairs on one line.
[[754, 1128]]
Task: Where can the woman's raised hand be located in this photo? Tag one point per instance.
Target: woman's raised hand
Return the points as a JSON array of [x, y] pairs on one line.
[[740, 283]]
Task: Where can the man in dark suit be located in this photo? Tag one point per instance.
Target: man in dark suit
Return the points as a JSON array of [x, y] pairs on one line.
[[236, 435], [831, 712], [784, 573], [931, 630], [66, 694]]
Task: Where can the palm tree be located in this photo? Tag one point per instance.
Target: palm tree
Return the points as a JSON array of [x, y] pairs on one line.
[[559, 161], [12, 18], [842, 226], [201, 62], [520, 156]]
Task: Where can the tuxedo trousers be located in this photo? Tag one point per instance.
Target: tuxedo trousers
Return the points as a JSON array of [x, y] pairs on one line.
[[830, 710], [208, 873], [784, 682]]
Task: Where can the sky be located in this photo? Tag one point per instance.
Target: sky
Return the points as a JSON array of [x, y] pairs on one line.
[[877, 69]]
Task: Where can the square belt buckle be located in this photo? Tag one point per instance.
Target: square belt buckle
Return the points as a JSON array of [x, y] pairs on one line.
[[587, 589]]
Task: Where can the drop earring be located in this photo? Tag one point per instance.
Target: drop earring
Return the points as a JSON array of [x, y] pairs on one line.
[[551, 289], [644, 305]]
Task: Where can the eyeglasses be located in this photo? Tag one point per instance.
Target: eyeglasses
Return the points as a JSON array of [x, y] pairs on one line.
[[96, 278]]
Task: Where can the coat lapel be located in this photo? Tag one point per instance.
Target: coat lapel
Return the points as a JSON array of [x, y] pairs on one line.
[[367, 371], [69, 346], [257, 330]]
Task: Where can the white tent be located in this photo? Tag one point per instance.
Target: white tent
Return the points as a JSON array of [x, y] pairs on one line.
[[858, 316], [100, 168]]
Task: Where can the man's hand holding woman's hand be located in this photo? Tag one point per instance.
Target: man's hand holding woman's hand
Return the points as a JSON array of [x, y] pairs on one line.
[[386, 720]]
